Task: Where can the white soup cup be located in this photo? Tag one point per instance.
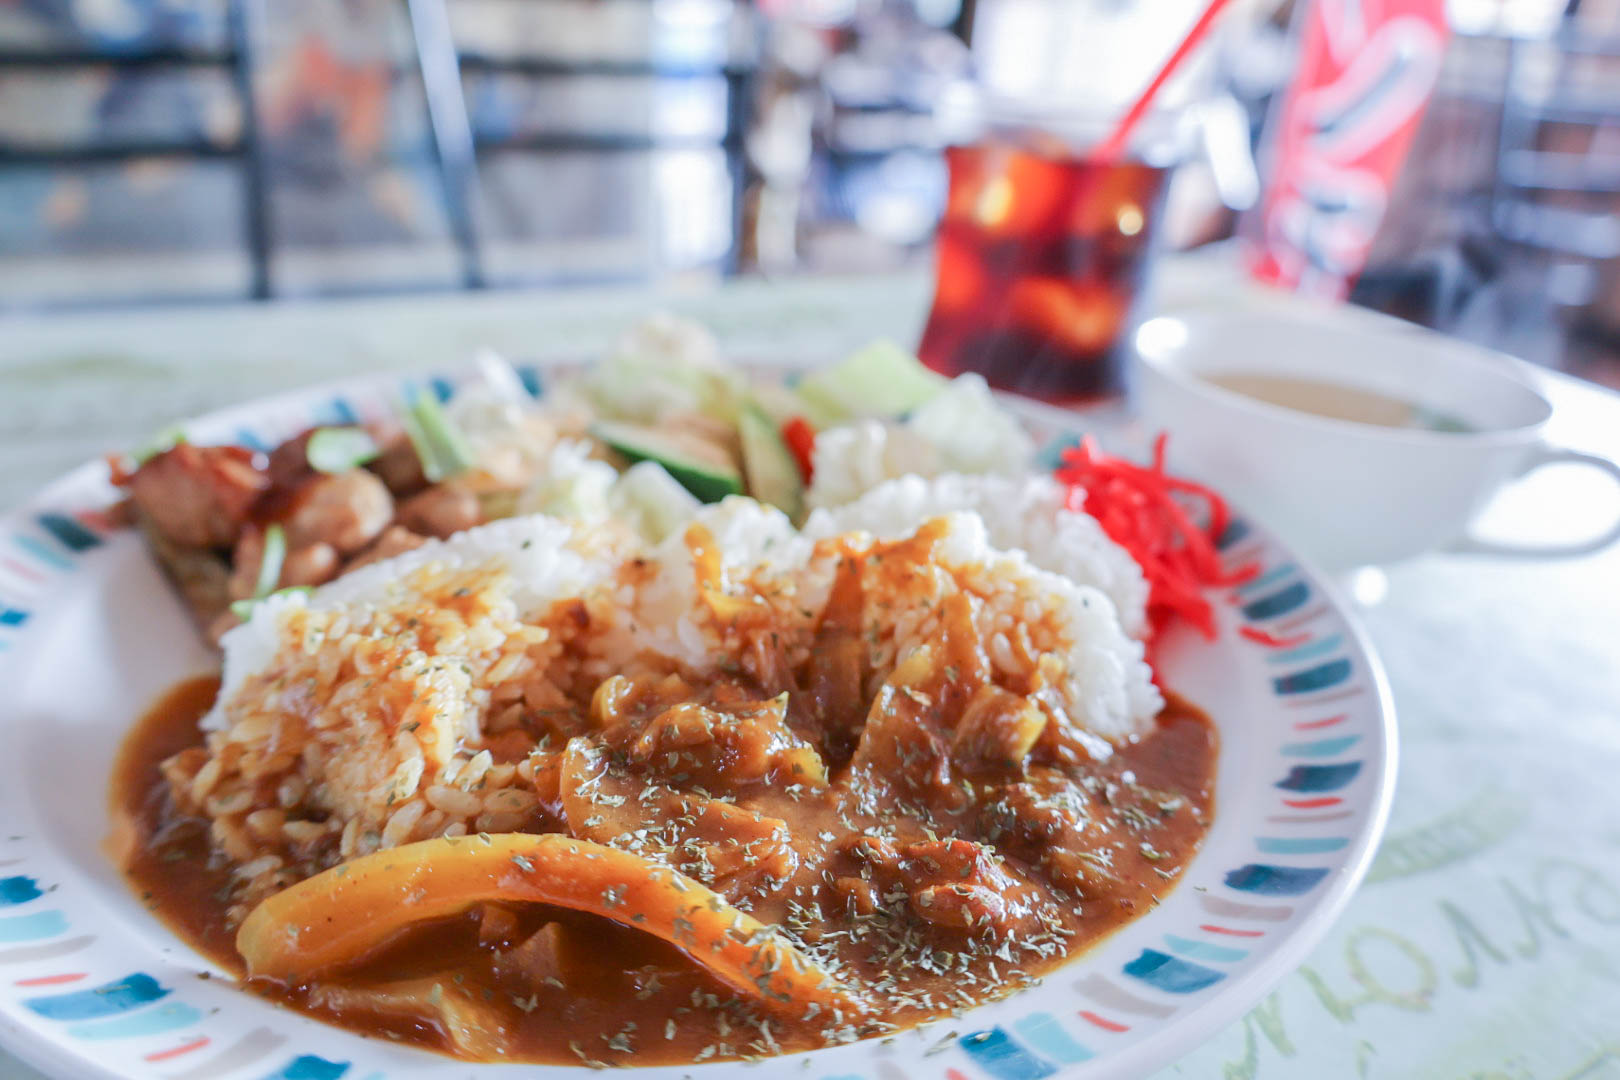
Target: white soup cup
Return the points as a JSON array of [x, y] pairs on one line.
[[1350, 494]]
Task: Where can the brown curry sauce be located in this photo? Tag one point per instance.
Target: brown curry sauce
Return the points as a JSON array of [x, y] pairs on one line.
[[618, 996]]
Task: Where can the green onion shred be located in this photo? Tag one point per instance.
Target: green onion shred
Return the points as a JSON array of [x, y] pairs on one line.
[[275, 553], [339, 449], [439, 444]]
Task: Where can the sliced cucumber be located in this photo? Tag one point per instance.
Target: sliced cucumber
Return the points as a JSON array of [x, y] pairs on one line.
[[773, 475], [880, 380], [704, 469]]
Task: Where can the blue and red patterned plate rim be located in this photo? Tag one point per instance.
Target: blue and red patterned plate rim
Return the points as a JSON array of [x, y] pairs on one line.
[[1307, 773]]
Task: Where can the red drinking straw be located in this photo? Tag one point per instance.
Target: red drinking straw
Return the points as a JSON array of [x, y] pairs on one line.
[[1111, 148]]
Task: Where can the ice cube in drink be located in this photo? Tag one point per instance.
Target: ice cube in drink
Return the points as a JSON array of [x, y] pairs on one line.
[[1041, 255]]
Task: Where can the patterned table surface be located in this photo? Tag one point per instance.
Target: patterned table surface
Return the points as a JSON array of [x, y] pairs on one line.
[[1486, 942]]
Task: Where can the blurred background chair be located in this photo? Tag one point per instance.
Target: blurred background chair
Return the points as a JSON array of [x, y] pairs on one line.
[[325, 148], [608, 133], [156, 150], [128, 143], [198, 149]]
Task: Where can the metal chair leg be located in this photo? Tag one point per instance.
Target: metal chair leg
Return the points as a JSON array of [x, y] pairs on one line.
[[255, 195], [452, 130]]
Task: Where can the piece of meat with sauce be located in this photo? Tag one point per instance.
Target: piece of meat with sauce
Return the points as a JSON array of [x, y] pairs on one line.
[[441, 511], [289, 462], [347, 510], [997, 730], [398, 465], [312, 564], [198, 496], [902, 747], [324, 517], [737, 852], [201, 574], [952, 883], [908, 739], [729, 741], [1027, 816], [1044, 820], [835, 673]]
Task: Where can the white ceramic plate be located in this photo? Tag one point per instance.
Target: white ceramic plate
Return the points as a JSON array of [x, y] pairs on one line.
[[92, 985]]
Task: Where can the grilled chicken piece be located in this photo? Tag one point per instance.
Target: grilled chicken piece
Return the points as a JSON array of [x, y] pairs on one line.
[[201, 574], [442, 511], [347, 510], [399, 466], [198, 496], [289, 462], [312, 564]]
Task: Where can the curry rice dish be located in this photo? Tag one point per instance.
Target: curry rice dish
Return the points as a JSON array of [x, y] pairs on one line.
[[683, 717], [545, 791]]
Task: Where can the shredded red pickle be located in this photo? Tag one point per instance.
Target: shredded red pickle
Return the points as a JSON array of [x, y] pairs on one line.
[[801, 442], [1145, 510]]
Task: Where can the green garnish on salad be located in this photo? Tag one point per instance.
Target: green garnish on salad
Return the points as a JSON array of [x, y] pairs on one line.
[[881, 381], [701, 467], [339, 449], [440, 445]]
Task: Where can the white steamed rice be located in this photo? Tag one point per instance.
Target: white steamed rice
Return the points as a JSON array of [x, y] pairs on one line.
[[1024, 513]]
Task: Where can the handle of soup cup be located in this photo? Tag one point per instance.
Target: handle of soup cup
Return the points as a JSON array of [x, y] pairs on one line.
[[1550, 455]]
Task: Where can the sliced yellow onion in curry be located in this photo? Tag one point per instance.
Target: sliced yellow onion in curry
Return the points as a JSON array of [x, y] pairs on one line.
[[338, 918]]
